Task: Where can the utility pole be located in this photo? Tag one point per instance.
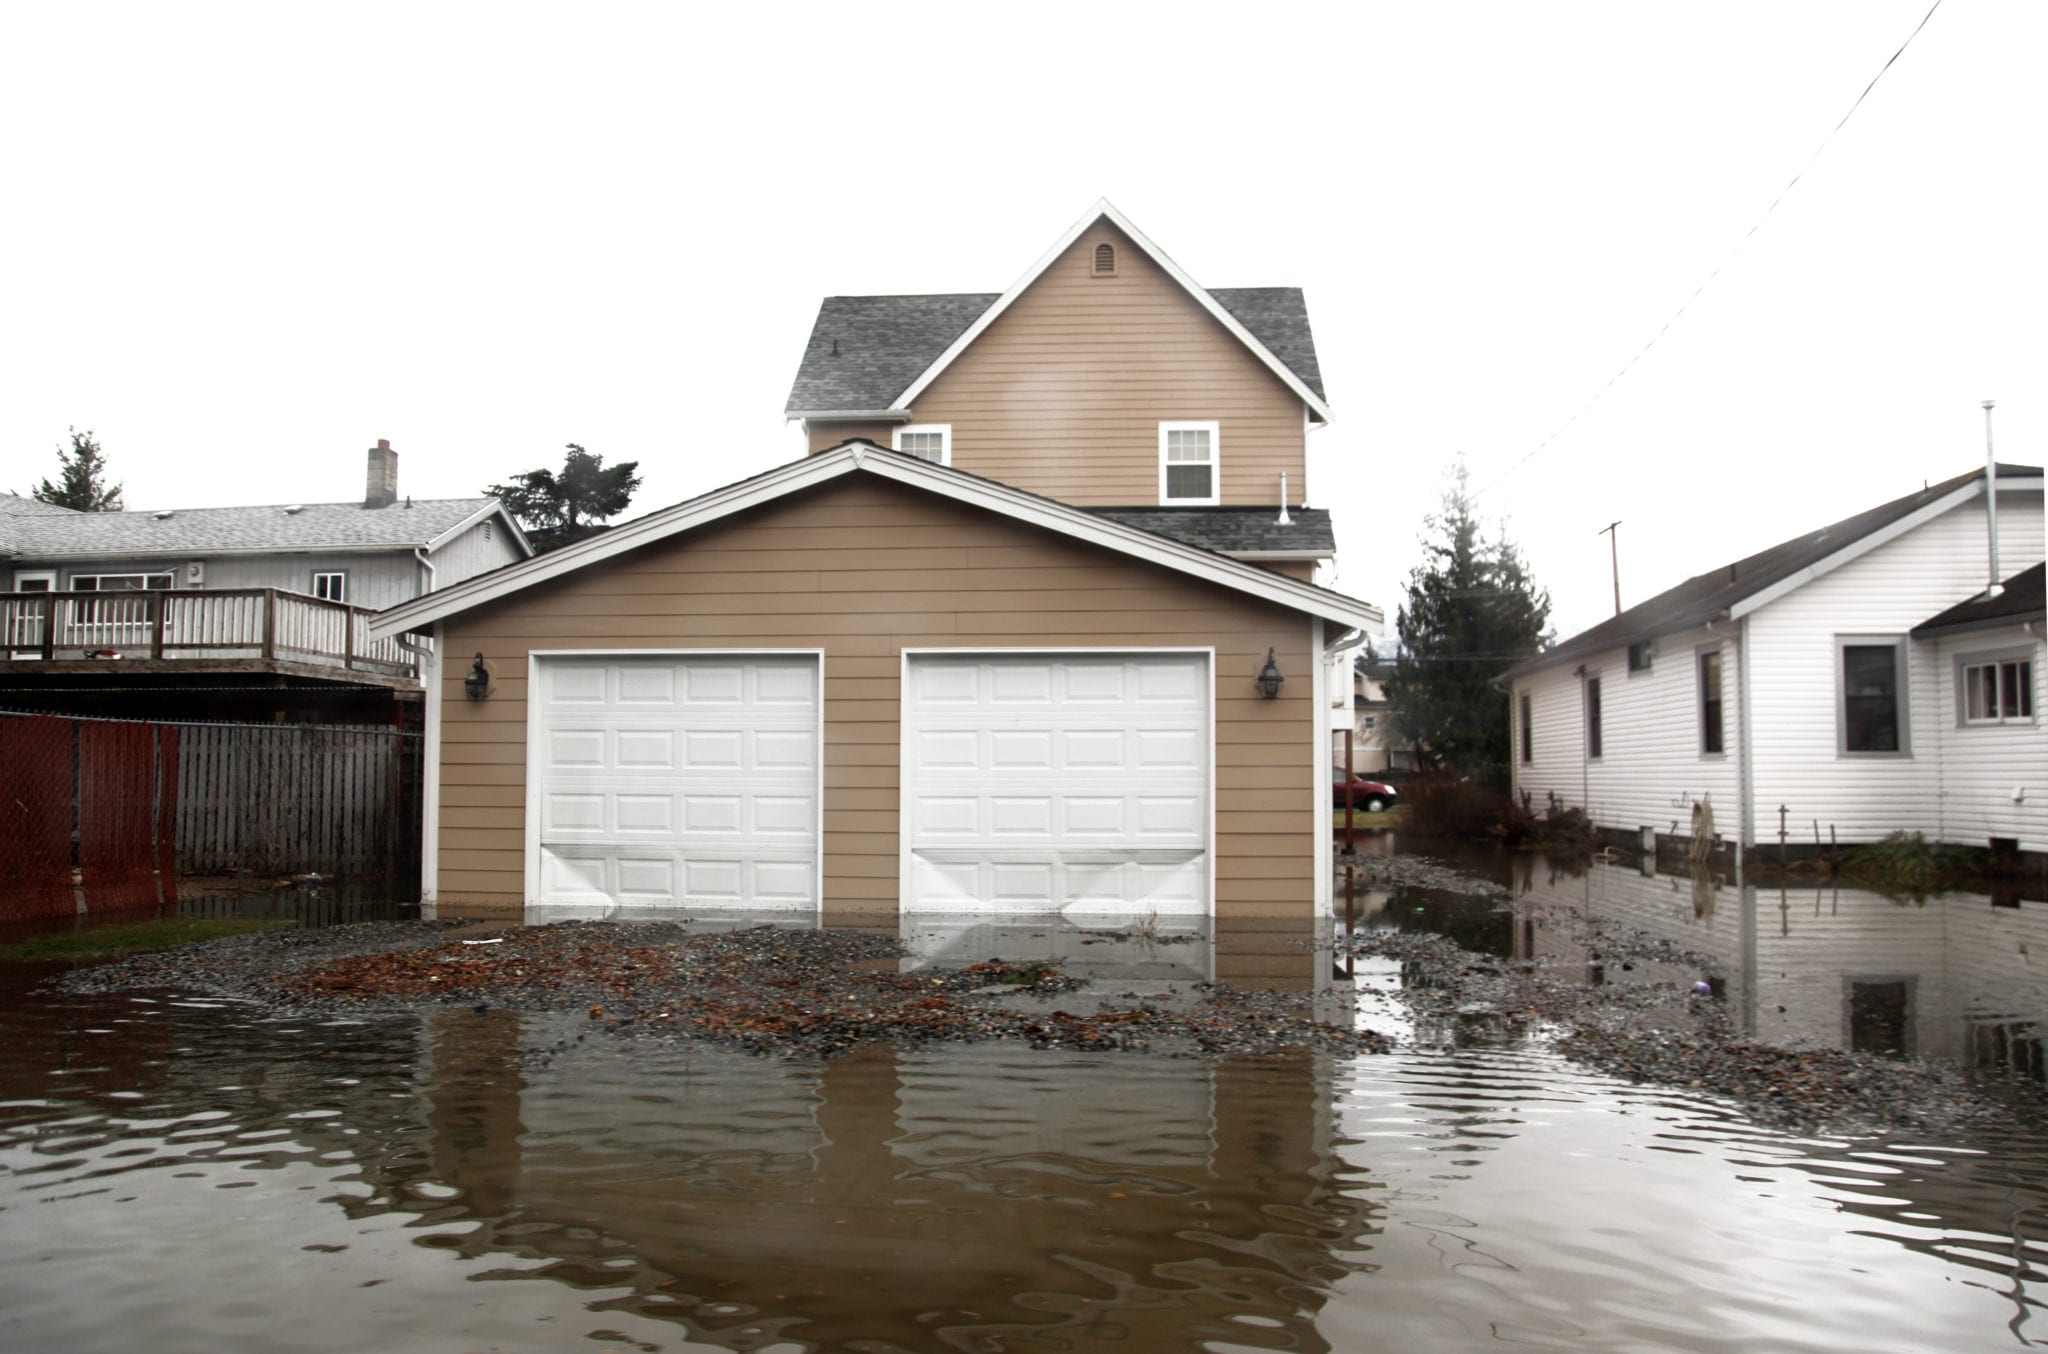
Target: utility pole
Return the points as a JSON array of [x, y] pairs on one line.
[[1614, 552]]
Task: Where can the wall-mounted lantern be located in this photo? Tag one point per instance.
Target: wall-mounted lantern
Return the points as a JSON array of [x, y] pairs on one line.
[[477, 684], [1269, 678]]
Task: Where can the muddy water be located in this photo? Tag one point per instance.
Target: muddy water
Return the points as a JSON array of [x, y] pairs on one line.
[[179, 1174]]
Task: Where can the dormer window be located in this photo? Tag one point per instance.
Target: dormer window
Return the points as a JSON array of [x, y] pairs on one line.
[[1105, 260], [927, 441], [1188, 462]]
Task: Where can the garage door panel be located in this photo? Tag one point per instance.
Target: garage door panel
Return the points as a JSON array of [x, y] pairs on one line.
[[679, 781], [1057, 783]]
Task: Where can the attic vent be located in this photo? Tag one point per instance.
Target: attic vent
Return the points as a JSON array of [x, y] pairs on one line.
[[160, 516], [1105, 260], [294, 508], [487, 529]]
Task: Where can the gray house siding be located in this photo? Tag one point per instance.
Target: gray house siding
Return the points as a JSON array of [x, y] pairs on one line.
[[475, 550]]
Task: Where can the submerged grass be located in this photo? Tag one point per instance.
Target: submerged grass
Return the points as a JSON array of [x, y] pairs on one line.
[[136, 938]]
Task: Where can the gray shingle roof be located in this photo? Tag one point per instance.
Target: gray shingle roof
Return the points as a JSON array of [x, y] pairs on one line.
[[864, 351], [2025, 597], [1705, 597], [199, 531], [14, 505], [1233, 531]]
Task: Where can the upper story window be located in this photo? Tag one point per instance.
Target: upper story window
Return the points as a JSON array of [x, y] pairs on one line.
[[331, 587], [1189, 462], [1640, 655], [1105, 260], [926, 441], [1871, 677], [1996, 688]]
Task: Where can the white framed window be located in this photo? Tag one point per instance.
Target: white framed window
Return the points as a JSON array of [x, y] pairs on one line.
[[1870, 694], [1995, 688], [926, 441], [1593, 729], [1713, 730], [331, 586], [35, 580], [1189, 462], [121, 582]]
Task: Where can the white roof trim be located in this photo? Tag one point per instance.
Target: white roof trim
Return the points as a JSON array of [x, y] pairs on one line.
[[1856, 549], [850, 415], [494, 507], [1300, 556], [847, 459], [1101, 210]]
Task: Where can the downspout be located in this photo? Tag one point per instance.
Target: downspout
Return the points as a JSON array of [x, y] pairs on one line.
[[419, 554], [1745, 770], [1991, 503]]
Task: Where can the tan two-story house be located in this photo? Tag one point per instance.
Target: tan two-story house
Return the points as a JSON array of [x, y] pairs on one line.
[[1030, 630]]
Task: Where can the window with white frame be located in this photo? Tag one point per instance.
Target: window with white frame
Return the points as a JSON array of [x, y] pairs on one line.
[[1713, 739], [1870, 673], [121, 582], [926, 441], [1996, 688], [1593, 730], [331, 587], [1188, 457]]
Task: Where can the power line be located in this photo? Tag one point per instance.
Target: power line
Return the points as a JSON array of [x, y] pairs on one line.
[[1790, 184]]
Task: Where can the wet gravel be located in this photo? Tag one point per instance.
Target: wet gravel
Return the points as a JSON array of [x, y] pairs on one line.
[[1645, 1021], [767, 989]]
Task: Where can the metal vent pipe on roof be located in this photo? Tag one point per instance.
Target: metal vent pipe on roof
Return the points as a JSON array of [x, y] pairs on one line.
[[1991, 502]]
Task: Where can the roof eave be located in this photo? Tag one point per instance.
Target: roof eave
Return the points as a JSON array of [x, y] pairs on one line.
[[849, 415]]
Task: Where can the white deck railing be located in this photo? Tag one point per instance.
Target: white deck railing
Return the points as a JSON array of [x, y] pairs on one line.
[[225, 623]]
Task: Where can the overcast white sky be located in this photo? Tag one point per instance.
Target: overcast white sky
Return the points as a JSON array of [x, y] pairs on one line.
[[243, 242]]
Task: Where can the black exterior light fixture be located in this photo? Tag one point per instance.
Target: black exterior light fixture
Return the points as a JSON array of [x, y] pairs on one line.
[[1269, 678], [477, 684]]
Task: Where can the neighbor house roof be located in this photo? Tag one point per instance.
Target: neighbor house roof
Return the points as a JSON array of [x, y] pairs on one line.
[[2023, 598], [873, 355], [216, 531], [861, 457], [1255, 532], [14, 505], [1741, 587]]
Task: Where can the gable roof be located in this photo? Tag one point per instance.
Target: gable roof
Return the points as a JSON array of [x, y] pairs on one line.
[[14, 505], [1736, 589], [860, 457], [215, 531], [1236, 531], [2024, 598], [873, 355]]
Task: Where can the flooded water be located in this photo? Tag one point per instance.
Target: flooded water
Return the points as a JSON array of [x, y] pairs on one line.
[[182, 1174]]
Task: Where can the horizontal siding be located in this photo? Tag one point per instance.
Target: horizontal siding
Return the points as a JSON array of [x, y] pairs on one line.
[[483, 547], [941, 576], [1063, 395], [1651, 770], [1983, 766], [1794, 712]]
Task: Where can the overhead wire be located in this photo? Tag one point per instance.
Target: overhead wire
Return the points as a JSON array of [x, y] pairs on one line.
[[1708, 281]]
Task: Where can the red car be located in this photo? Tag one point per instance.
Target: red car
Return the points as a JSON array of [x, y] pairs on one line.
[[1367, 796]]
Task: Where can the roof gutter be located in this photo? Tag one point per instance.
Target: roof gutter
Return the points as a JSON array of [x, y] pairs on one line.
[[849, 415]]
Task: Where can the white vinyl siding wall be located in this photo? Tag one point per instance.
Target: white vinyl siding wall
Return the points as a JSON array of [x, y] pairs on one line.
[[1981, 765], [1651, 770], [478, 550], [1793, 657]]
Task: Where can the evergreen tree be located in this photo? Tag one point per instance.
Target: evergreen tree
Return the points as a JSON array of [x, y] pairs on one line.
[[82, 478], [1472, 612], [556, 508]]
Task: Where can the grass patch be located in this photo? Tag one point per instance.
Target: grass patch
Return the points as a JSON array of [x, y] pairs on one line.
[[137, 938], [1907, 860]]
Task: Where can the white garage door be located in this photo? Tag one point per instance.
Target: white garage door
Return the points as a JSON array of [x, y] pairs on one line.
[[686, 782], [1057, 783]]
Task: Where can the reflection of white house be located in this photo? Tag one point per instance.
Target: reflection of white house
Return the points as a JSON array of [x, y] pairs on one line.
[[1826, 967], [1860, 680]]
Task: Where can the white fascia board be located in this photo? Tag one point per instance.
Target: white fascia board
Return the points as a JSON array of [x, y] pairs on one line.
[[849, 459], [1100, 211], [1298, 556], [849, 415], [1856, 549], [490, 509], [217, 552]]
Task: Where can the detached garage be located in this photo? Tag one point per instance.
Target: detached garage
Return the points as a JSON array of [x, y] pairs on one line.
[[865, 685]]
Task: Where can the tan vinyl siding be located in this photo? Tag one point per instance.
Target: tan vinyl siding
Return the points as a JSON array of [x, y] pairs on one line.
[[1064, 393], [823, 436], [861, 571]]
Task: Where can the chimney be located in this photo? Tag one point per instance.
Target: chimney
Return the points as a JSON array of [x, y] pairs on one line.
[[380, 485]]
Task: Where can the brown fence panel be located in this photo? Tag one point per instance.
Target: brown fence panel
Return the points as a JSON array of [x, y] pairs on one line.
[[38, 784], [117, 814]]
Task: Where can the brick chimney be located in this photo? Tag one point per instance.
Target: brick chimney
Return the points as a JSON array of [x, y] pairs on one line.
[[380, 486]]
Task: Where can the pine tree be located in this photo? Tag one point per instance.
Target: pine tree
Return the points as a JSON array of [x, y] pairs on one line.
[[558, 508], [81, 481], [1472, 612]]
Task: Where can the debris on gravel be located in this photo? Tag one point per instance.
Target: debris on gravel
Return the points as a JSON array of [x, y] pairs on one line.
[[768, 989]]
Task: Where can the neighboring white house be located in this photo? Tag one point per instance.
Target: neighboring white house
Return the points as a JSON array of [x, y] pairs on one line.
[[1819, 677], [1374, 747]]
